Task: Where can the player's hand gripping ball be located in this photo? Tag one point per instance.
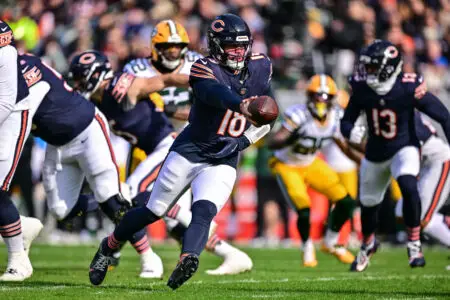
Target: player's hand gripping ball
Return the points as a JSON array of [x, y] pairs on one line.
[[260, 110]]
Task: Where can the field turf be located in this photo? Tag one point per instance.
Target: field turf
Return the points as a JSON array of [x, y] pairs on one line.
[[61, 272]]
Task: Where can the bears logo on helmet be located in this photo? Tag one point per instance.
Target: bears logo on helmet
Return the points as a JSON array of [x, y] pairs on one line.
[[230, 30]]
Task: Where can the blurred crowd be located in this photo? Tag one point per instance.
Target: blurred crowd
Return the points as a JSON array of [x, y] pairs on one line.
[[302, 37]]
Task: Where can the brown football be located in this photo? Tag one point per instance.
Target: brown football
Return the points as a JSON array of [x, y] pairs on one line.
[[264, 110]]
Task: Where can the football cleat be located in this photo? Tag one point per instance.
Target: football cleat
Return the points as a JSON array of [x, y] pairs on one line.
[[340, 252], [152, 266], [309, 255], [31, 227], [19, 267], [115, 260], [234, 263], [100, 263], [362, 260], [186, 267], [415, 254]]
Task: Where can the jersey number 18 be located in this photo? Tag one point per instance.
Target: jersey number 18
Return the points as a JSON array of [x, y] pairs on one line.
[[232, 122]]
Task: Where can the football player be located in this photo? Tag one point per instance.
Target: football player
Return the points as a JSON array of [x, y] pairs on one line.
[[434, 182], [78, 148], [204, 155], [146, 127], [170, 55], [306, 128], [387, 96], [16, 112]]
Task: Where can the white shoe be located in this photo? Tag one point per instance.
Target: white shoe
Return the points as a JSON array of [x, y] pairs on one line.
[[19, 267], [31, 227], [236, 262], [152, 266]]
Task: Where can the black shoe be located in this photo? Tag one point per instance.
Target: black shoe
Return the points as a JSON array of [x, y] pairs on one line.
[[415, 255], [184, 270], [100, 263], [115, 260]]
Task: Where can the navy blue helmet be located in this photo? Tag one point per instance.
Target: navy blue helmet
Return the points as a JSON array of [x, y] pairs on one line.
[[87, 70], [229, 30], [379, 61]]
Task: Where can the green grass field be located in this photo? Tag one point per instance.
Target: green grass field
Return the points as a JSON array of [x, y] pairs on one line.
[[61, 272]]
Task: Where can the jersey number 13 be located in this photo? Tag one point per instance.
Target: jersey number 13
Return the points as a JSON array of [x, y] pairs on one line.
[[388, 118]]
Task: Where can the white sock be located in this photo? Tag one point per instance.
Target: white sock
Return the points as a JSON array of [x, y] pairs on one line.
[[438, 230], [15, 243], [331, 238], [222, 249], [307, 245]]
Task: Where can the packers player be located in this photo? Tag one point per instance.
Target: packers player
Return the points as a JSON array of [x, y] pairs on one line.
[[170, 55], [306, 128]]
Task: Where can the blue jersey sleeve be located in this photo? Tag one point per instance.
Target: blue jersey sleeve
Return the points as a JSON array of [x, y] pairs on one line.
[[208, 90], [433, 107], [352, 111], [6, 35]]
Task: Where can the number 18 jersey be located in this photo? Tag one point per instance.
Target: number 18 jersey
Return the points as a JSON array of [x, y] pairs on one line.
[[312, 135]]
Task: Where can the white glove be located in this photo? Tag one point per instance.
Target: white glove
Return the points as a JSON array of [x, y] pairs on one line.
[[357, 134]]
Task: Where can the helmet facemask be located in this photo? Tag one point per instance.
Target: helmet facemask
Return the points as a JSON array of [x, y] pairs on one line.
[[88, 81], [234, 55], [380, 73], [164, 54], [319, 104]]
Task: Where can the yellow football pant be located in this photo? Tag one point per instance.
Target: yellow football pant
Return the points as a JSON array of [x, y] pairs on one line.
[[349, 180], [294, 181]]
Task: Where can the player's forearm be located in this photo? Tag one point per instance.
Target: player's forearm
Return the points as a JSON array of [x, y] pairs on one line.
[[254, 134], [434, 108], [175, 79], [215, 94]]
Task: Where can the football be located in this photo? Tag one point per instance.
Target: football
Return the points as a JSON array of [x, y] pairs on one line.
[[264, 110]]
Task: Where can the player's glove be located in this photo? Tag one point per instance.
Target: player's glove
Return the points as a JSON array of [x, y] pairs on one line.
[[231, 145], [357, 134]]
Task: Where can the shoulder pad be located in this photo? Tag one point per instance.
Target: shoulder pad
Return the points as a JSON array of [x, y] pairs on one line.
[[295, 116], [411, 81], [203, 68], [130, 67], [192, 56], [263, 63], [6, 34]]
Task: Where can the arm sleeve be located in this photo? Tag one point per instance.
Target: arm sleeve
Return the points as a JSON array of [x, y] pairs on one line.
[[8, 81], [351, 114], [215, 94], [432, 106]]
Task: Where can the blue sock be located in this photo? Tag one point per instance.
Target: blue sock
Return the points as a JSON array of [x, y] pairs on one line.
[[9, 217], [412, 207], [133, 221], [196, 235]]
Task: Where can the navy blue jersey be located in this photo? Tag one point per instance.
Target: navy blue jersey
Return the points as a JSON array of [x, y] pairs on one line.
[[390, 117], [215, 112], [424, 129], [7, 38], [144, 126], [63, 113]]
